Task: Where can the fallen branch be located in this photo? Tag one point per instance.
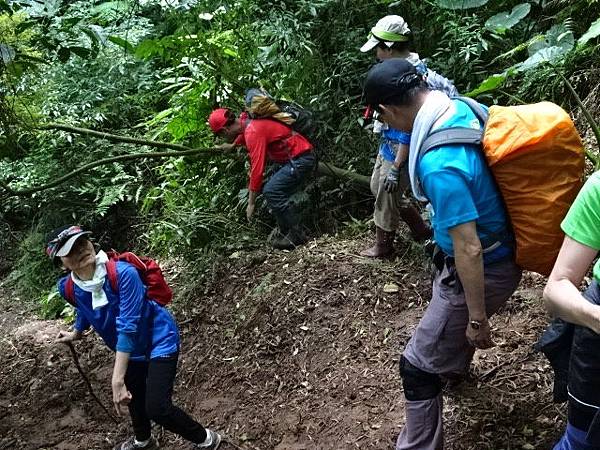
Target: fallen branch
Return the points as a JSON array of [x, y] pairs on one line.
[[327, 169], [87, 381], [490, 372], [179, 150], [8, 443], [100, 162], [115, 137]]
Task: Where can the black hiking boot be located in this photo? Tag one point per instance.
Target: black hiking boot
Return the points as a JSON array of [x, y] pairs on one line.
[[275, 233], [131, 444], [291, 240]]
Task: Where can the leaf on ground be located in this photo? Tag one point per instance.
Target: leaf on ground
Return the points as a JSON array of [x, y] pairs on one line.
[[391, 288]]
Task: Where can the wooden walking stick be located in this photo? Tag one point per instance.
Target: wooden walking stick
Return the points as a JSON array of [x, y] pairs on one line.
[[87, 381]]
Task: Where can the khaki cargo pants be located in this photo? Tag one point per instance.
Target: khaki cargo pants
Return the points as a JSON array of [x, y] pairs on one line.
[[388, 205]]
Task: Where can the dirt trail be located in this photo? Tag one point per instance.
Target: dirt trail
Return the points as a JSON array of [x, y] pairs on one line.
[[290, 351]]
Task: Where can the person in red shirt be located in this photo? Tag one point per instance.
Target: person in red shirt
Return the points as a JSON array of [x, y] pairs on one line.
[[268, 139]]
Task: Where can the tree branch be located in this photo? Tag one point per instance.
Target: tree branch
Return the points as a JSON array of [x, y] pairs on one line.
[[180, 150], [324, 168], [593, 125], [114, 137], [87, 382], [100, 162]]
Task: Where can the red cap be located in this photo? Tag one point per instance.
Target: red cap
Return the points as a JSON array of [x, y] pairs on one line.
[[218, 119]]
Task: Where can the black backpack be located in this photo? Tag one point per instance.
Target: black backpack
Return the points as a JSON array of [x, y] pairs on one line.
[[291, 114]]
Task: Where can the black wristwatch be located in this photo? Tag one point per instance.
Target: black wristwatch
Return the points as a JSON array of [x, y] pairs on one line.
[[475, 324]]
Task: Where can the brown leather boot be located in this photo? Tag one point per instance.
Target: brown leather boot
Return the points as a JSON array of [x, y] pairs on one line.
[[419, 229], [384, 244]]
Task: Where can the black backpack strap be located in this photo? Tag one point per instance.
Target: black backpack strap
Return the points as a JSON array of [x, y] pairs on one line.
[[451, 136]]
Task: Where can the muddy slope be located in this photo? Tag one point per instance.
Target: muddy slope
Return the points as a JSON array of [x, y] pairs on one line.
[[290, 351]]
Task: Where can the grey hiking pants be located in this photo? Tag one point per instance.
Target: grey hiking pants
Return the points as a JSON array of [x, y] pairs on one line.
[[439, 346]]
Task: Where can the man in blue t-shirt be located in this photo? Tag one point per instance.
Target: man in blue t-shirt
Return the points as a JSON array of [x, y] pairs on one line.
[[476, 272], [460, 188]]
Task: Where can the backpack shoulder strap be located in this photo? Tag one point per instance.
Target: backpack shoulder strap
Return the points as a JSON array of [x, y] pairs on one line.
[[251, 117], [451, 136], [111, 273], [479, 111], [458, 135], [70, 291], [283, 139]]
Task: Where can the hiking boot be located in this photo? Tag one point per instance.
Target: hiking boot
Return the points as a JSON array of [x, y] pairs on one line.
[[419, 229], [275, 234], [212, 442], [291, 240], [384, 244], [131, 444]]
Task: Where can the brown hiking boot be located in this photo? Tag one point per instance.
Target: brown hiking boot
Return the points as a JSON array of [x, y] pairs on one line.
[[384, 244], [419, 229]]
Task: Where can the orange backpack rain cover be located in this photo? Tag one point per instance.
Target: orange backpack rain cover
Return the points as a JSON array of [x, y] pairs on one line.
[[537, 158]]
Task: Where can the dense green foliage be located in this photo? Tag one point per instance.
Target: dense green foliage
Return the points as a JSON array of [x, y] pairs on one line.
[[155, 69]]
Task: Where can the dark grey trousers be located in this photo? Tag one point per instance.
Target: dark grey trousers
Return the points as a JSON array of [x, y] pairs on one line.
[[439, 345]]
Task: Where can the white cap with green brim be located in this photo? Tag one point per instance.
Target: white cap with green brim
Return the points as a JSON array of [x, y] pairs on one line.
[[389, 30]]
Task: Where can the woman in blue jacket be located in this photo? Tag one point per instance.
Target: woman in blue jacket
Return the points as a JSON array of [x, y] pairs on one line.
[[143, 334]]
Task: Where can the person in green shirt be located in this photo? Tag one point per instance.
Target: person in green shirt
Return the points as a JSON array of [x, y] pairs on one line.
[[564, 300]]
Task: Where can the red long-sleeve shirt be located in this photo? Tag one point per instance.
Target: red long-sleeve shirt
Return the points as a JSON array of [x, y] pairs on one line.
[[269, 138]]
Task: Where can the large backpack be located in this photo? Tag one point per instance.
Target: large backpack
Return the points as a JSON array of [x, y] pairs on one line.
[[537, 159], [261, 105], [157, 288]]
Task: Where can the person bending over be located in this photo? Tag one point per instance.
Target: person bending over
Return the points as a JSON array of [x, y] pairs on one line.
[[268, 139], [142, 333]]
